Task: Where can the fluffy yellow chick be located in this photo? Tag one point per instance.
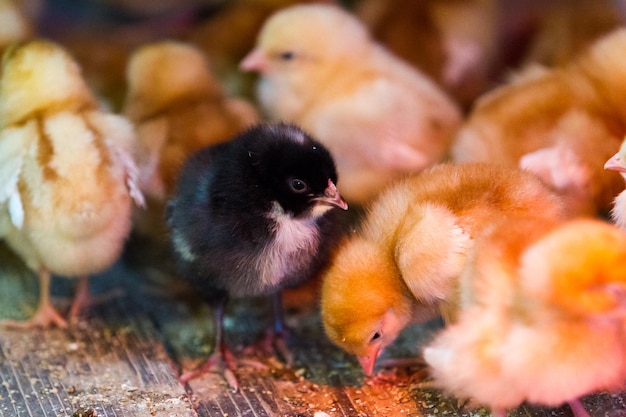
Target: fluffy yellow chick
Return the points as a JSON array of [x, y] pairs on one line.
[[178, 107], [618, 163], [380, 118], [561, 124], [404, 263], [543, 319], [67, 176]]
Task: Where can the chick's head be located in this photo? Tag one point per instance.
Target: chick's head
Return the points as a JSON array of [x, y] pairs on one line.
[[292, 171], [580, 269], [618, 161], [301, 41], [37, 77], [164, 74], [364, 302]]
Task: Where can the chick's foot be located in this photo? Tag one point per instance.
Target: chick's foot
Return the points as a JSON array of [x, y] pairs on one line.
[[220, 362], [45, 316]]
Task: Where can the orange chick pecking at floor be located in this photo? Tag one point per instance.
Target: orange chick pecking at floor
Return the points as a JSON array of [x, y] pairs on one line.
[[403, 265], [67, 176], [543, 316]]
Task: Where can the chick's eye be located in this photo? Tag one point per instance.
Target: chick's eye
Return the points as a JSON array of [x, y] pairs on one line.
[[286, 56], [297, 185], [376, 336]]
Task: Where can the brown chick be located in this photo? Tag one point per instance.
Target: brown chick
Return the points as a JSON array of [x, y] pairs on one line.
[[67, 174], [561, 124], [380, 117], [543, 319], [404, 263], [178, 108]]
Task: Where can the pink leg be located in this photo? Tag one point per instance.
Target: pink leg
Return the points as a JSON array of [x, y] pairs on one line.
[[81, 299], [46, 315], [498, 412], [221, 361], [578, 409]]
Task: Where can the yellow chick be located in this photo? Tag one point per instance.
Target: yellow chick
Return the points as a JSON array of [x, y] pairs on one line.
[[380, 118], [561, 124], [67, 175], [178, 107], [404, 263], [618, 163], [543, 319]]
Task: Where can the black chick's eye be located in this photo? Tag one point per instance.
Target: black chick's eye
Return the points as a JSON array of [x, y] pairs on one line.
[[376, 336], [297, 185], [286, 56]]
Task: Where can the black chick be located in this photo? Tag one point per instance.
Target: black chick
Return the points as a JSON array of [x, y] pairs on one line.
[[252, 216]]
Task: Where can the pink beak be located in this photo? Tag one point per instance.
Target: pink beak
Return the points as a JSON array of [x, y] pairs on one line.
[[615, 163], [254, 61], [332, 197], [368, 361]]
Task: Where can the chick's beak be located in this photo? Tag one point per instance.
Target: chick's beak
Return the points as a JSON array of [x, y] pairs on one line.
[[369, 360], [254, 61], [615, 164], [332, 197]]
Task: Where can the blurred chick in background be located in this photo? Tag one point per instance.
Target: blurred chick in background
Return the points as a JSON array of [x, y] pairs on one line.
[[379, 117], [228, 34], [15, 25], [559, 30], [177, 107], [67, 176], [543, 317], [455, 42], [251, 217], [404, 263], [618, 163], [562, 124]]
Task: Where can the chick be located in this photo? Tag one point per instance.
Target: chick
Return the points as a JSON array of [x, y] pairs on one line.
[[15, 24], [380, 118], [618, 163], [405, 261], [453, 41], [228, 34], [67, 176], [543, 319], [562, 124], [251, 217], [178, 108]]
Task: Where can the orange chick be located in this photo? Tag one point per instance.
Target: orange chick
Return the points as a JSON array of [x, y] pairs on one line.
[[178, 107], [404, 263], [381, 118], [561, 124], [543, 319], [67, 176], [618, 163]]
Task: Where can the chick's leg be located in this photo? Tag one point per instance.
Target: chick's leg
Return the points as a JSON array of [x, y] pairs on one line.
[[578, 409], [221, 361], [276, 338], [81, 299], [46, 315]]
